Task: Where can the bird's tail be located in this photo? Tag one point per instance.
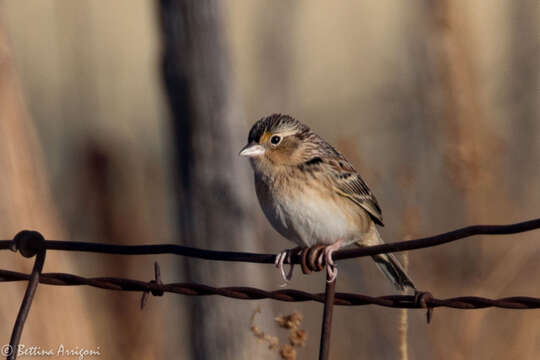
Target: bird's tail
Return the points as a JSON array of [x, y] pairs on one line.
[[389, 264]]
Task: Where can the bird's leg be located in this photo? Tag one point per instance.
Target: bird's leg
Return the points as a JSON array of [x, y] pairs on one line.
[[279, 263], [331, 269]]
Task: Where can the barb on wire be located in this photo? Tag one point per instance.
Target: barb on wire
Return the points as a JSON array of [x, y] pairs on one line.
[[295, 258], [288, 295], [157, 280]]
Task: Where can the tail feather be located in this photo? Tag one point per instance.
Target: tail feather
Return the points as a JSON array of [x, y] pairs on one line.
[[393, 270], [388, 263]]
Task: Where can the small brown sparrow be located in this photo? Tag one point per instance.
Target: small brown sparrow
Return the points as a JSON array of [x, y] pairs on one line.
[[312, 195]]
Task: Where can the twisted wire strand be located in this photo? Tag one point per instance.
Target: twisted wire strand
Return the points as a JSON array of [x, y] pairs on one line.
[[288, 295]]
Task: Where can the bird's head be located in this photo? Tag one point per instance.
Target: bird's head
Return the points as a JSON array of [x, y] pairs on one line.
[[275, 141]]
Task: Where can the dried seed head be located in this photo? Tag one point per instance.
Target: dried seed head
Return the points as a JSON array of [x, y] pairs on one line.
[[287, 352], [292, 321], [298, 337]]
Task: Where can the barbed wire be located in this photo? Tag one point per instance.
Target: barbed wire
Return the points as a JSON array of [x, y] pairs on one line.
[[32, 243], [419, 301], [294, 258]]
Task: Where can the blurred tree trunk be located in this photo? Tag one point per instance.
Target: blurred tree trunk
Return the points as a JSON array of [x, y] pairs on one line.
[[214, 186], [26, 203]]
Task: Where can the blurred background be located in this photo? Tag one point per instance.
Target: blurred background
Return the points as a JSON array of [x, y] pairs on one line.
[[120, 122]]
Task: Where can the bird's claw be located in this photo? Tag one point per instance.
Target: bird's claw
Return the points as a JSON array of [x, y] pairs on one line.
[[331, 273], [325, 258], [331, 268], [279, 263]]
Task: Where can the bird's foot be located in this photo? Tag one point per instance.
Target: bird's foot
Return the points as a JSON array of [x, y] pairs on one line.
[[279, 263], [331, 268]]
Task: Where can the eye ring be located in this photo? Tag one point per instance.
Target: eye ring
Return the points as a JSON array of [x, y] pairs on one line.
[[274, 140]]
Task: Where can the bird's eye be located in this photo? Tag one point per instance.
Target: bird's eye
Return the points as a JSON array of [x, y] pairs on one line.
[[275, 140]]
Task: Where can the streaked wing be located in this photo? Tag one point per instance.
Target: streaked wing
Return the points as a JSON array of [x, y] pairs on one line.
[[346, 181], [351, 186]]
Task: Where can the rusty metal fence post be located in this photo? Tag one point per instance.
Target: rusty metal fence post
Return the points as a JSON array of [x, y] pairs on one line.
[[28, 243], [326, 328]]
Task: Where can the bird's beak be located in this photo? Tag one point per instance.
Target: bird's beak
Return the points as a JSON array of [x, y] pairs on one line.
[[252, 150]]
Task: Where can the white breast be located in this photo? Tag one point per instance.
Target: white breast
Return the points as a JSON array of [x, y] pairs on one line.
[[306, 218]]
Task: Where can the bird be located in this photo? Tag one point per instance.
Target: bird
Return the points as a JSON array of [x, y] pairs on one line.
[[312, 195]]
